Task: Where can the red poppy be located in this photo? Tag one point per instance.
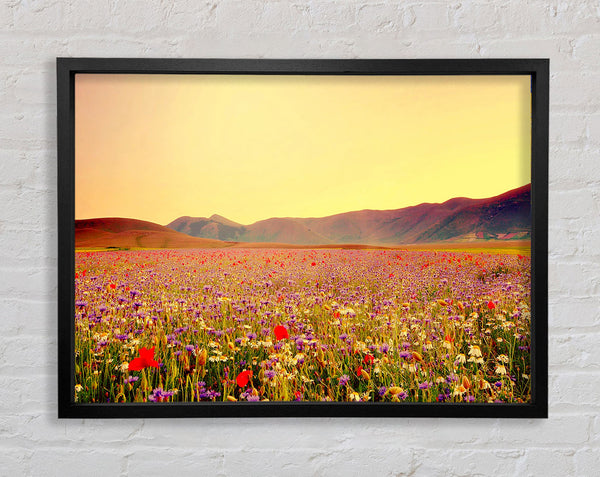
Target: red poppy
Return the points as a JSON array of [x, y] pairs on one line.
[[243, 378], [491, 305], [113, 286], [359, 370], [145, 360], [313, 264], [280, 332], [369, 358]]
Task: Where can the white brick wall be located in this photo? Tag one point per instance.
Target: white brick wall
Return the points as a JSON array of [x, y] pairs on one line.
[[33, 442]]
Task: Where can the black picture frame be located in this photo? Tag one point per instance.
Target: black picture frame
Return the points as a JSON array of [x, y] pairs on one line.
[[67, 68]]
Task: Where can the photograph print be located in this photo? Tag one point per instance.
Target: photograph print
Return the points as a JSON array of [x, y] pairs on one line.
[[302, 238]]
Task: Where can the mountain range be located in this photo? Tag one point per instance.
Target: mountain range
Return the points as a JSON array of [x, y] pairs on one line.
[[504, 217]]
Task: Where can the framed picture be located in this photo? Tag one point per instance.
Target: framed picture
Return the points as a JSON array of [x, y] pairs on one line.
[[269, 238]]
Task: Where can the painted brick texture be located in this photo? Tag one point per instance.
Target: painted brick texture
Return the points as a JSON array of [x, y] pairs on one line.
[[32, 440]]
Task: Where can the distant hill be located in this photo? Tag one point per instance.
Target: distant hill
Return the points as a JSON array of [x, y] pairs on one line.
[[504, 217], [131, 233], [213, 227]]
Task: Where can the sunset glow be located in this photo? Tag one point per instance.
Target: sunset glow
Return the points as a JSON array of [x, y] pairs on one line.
[[156, 147]]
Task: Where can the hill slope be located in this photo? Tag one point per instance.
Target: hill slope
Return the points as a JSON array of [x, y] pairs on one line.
[[131, 233]]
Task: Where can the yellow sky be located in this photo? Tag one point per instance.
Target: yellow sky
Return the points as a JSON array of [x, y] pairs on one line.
[[156, 147]]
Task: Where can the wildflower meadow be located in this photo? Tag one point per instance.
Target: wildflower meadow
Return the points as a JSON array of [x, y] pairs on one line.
[[181, 325]]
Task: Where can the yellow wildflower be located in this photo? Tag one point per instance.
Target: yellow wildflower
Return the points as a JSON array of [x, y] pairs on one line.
[[394, 390], [459, 390]]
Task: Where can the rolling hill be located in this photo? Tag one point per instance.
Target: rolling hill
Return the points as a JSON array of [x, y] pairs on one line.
[[503, 217], [116, 232]]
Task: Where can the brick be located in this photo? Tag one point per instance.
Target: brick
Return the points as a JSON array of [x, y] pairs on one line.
[[280, 16], [585, 50], [573, 313], [7, 15], [565, 239], [88, 15], [36, 354], [593, 128], [137, 16], [108, 432], [121, 47], [266, 17], [377, 18], [336, 433], [572, 279], [36, 87], [15, 461], [564, 91], [513, 434], [362, 461], [587, 461], [567, 128], [22, 316], [333, 16], [574, 388], [89, 462], [471, 17], [204, 14], [466, 462], [431, 16], [573, 204], [44, 15], [548, 462], [439, 48], [14, 169], [596, 431], [27, 207], [24, 395], [162, 461], [21, 51], [546, 19], [24, 125], [573, 164], [575, 350], [27, 246], [27, 283], [591, 242]]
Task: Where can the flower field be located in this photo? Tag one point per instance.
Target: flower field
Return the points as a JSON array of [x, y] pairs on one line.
[[305, 325]]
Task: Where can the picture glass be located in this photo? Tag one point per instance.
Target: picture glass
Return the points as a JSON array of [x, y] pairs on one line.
[[302, 238]]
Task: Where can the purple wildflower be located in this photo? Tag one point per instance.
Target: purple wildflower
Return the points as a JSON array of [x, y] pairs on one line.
[[270, 374]]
